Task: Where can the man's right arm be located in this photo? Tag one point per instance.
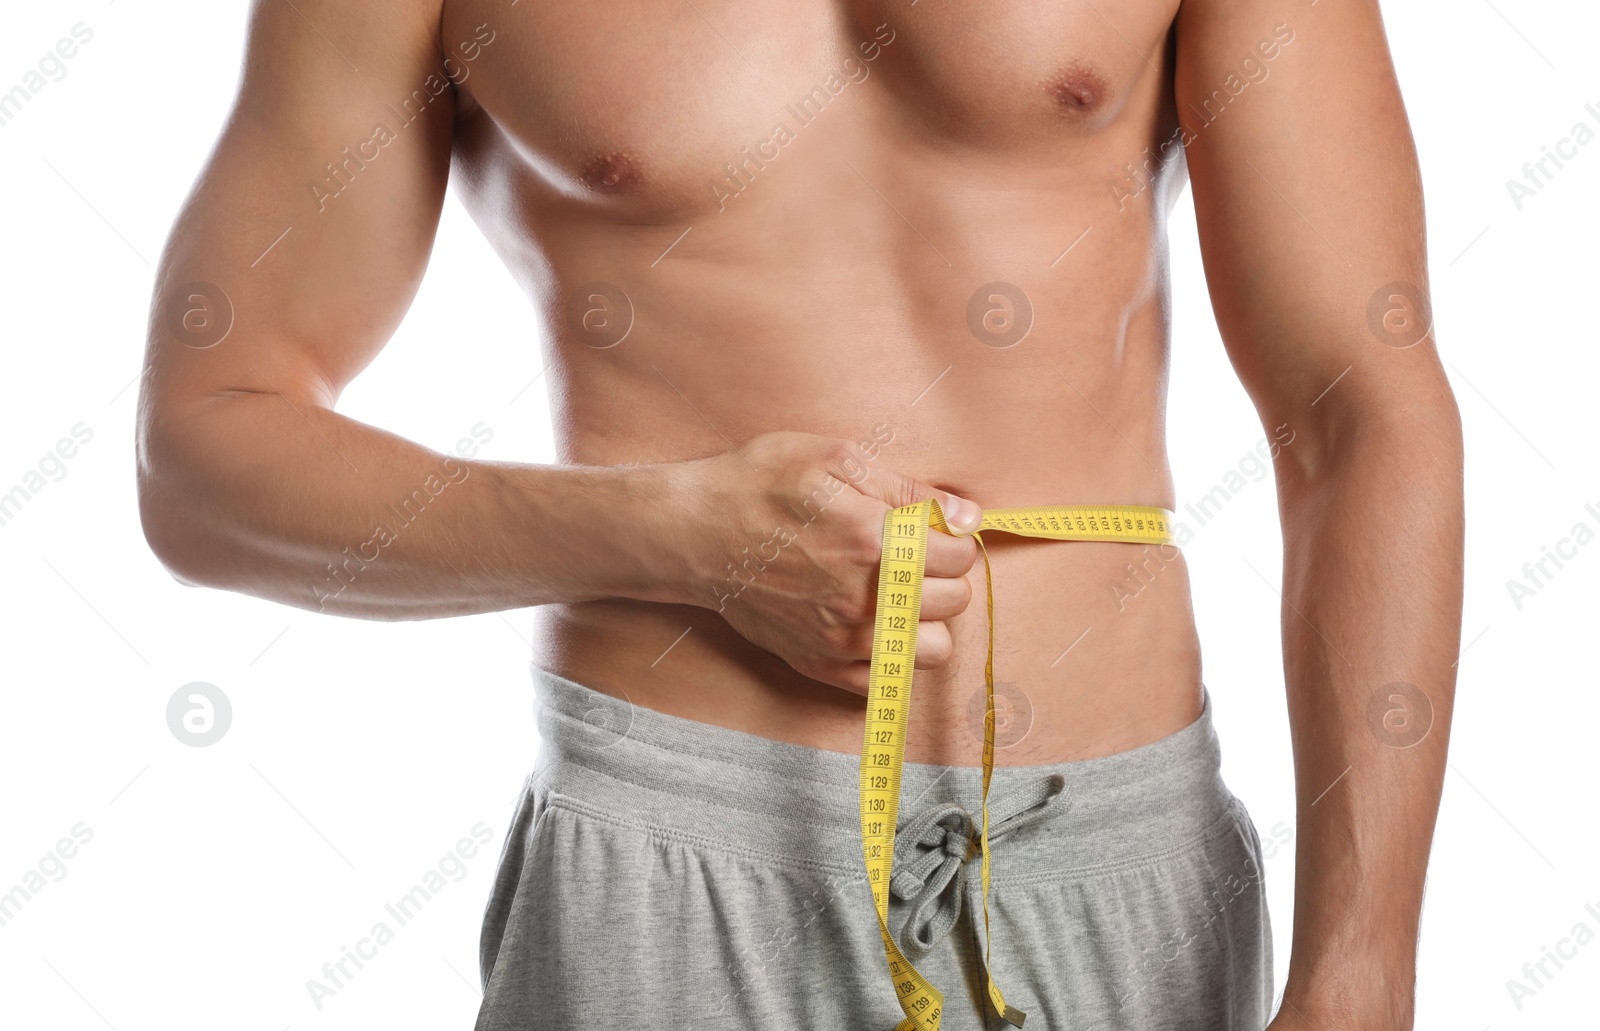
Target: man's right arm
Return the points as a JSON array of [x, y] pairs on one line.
[[306, 236], [250, 481]]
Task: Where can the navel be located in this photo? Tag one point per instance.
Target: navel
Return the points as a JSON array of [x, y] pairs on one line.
[[1078, 89], [610, 173]]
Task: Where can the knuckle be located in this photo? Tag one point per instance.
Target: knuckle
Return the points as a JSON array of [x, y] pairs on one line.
[[856, 608], [849, 463], [838, 451], [910, 491], [827, 638], [833, 631], [866, 544], [806, 665]]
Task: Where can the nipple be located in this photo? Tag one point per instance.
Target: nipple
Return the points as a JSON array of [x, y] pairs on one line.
[[610, 173], [1078, 88]]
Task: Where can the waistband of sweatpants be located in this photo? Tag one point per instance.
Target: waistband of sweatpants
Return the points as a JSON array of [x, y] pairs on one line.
[[701, 783]]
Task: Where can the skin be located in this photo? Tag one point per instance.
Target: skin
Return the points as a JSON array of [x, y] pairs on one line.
[[809, 333]]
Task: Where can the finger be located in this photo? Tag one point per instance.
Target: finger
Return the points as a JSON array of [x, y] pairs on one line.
[[852, 676], [896, 489], [945, 597], [850, 643], [942, 598], [934, 650], [950, 556], [934, 646]]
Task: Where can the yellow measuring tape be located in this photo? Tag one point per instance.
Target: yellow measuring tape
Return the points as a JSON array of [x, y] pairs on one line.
[[894, 653]]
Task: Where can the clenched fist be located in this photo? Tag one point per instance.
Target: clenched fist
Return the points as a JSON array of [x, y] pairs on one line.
[[783, 538]]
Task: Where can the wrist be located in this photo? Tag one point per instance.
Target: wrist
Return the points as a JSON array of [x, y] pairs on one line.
[[591, 532], [655, 534], [1372, 998]]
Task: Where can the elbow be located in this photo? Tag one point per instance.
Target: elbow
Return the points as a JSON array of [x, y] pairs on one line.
[[162, 519], [1415, 423], [168, 515]]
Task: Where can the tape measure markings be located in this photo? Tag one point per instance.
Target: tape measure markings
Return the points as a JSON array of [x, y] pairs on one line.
[[894, 647]]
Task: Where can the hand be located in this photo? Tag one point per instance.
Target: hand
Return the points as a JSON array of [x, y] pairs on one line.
[[784, 538]]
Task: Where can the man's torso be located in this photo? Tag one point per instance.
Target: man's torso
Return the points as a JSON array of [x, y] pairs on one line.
[[790, 211]]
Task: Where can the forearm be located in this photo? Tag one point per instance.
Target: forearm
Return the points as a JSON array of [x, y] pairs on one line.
[[1372, 599], [304, 506]]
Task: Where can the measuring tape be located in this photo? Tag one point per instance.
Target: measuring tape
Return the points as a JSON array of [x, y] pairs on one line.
[[894, 653]]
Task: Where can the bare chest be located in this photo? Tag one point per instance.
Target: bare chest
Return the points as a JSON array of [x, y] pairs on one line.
[[650, 104]]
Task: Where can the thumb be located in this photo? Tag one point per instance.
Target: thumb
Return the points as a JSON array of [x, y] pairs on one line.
[[961, 513], [897, 489]]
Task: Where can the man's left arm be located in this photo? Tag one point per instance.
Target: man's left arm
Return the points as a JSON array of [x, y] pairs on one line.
[[1309, 205]]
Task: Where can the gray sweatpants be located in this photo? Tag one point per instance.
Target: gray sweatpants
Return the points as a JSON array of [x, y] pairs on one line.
[[664, 873]]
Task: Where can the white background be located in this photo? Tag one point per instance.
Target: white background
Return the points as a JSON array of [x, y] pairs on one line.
[[218, 880]]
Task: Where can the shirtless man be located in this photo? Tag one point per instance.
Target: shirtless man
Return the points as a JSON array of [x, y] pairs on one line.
[[797, 265]]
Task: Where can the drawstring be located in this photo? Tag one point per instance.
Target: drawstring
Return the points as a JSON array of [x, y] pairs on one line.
[[945, 830]]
